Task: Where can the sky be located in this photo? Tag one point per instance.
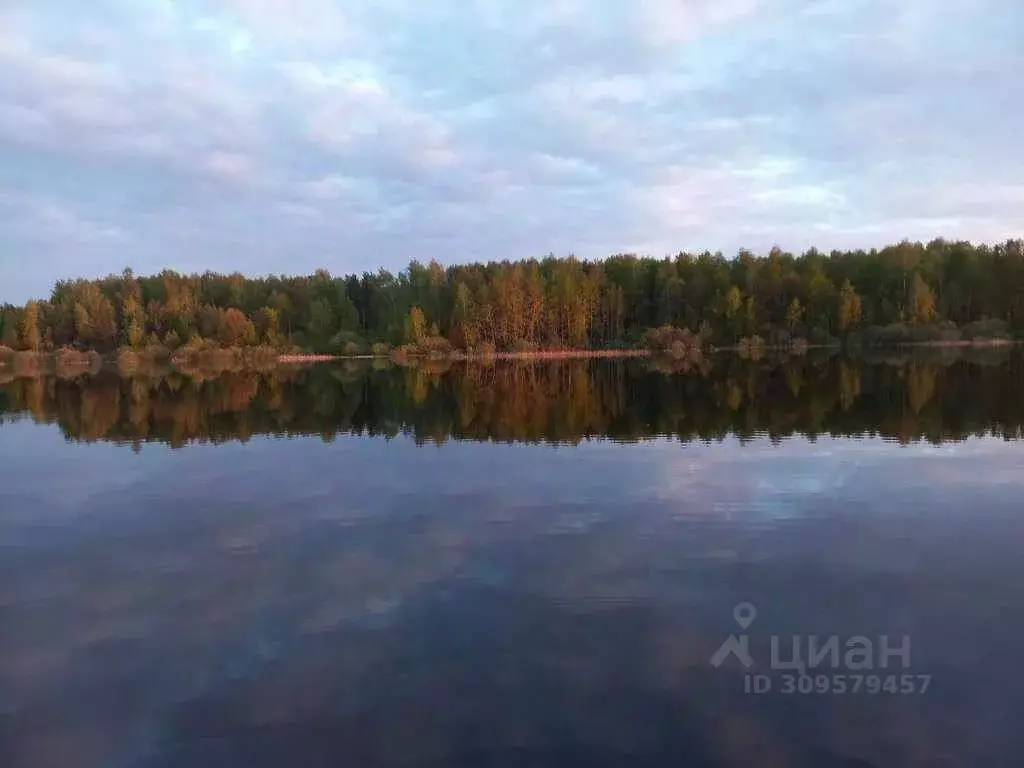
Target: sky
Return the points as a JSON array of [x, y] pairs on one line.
[[281, 136]]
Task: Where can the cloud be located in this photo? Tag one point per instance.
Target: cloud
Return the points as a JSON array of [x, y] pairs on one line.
[[230, 166], [269, 136]]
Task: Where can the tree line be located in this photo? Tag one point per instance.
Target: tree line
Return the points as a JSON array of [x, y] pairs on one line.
[[559, 403], [942, 290]]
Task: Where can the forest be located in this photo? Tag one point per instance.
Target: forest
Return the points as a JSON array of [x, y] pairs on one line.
[[908, 292]]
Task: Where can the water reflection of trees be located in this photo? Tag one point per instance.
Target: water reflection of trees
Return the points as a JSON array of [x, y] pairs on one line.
[[563, 402]]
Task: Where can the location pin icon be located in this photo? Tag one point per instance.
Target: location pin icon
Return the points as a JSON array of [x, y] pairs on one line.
[[744, 613]]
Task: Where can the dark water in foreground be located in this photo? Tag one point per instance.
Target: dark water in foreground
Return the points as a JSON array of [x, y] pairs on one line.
[[535, 570]]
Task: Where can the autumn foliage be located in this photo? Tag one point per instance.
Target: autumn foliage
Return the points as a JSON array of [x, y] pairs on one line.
[[905, 292]]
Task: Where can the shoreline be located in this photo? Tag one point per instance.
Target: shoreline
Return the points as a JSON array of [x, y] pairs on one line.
[[460, 356], [26, 362], [543, 354], [314, 358], [954, 344]]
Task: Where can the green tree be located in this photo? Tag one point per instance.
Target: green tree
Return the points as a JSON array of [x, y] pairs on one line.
[[268, 326], [465, 330], [731, 310], [794, 314], [322, 323]]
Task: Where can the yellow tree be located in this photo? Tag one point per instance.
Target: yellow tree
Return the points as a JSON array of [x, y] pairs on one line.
[[416, 326], [794, 314], [93, 313], [133, 316], [921, 302], [236, 330], [849, 307], [30, 335]]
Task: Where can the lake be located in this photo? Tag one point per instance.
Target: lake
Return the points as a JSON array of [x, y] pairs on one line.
[[805, 562]]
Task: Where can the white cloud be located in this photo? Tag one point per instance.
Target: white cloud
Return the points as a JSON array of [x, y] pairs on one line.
[[21, 124], [367, 131], [230, 166], [671, 22], [58, 222], [293, 23], [331, 187]]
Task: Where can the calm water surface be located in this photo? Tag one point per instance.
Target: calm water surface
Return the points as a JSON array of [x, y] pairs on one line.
[[511, 566]]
